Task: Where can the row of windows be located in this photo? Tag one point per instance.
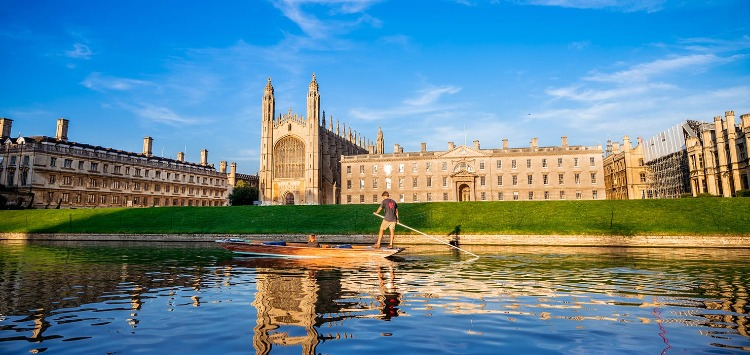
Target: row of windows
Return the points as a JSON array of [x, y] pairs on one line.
[[118, 169], [444, 165], [93, 199], [483, 196], [482, 181], [67, 180]]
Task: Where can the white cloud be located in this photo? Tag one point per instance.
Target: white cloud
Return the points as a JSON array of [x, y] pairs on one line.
[[80, 51], [162, 115], [425, 102], [317, 28], [576, 93], [621, 5], [99, 82], [645, 71], [579, 45], [431, 95]]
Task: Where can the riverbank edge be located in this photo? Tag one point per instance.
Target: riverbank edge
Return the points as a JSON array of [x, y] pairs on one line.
[[682, 241]]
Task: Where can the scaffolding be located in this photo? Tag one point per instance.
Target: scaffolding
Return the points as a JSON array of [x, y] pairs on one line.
[[665, 156]]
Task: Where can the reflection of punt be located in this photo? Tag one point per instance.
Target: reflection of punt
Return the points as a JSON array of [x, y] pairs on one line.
[[275, 262], [301, 250]]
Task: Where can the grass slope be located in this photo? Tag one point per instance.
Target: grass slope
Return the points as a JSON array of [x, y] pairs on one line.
[[691, 216]]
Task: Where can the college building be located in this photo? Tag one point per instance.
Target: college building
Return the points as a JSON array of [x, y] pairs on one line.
[[687, 159], [53, 172], [305, 162], [718, 154], [471, 173]]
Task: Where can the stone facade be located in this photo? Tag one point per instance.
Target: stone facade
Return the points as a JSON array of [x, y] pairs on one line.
[[52, 172], [299, 160], [718, 156], [625, 173], [463, 173]]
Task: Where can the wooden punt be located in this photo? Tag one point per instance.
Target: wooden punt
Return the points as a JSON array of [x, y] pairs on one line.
[[302, 250]]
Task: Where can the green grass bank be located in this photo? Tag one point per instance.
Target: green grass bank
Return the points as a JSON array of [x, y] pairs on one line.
[[689, 216]]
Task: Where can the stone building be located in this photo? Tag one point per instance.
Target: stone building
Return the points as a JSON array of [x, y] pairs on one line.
[[53, 172], [718, 156], [299, 159], [463, 173], [691, 157], [625, 173]]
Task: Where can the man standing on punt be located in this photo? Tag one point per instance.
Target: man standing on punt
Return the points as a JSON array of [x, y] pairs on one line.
[[390, 212]]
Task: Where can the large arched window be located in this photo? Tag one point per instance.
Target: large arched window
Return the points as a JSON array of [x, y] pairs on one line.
[[289, 158]]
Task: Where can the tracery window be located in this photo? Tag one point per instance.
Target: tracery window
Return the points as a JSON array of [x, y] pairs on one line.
[[289, 158]]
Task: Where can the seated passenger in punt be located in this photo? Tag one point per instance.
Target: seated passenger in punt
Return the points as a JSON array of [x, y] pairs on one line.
[[312, 241]]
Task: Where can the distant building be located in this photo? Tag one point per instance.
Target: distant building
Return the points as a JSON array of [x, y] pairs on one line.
[[53, 172], [299, 159], [463, 173], [718, 156], [690, 157], [625, 173]]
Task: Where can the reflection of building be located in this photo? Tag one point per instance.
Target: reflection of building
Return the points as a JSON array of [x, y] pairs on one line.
[[625, 174], [299, 160], [464, 173], [718, 156], [53, 171], [283, 304]]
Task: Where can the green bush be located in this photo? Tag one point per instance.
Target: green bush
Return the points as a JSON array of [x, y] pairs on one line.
[[743, 193]]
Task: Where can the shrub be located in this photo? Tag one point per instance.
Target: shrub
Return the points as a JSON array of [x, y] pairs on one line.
[[743, 193]]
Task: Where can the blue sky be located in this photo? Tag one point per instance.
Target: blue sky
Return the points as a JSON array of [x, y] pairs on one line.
[[191, 74]]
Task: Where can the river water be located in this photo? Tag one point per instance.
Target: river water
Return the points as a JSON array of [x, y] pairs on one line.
[[195, 298]]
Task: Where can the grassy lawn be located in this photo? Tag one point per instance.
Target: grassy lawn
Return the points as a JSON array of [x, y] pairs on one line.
[[690, 216]]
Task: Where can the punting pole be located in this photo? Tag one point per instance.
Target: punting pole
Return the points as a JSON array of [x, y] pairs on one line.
[[431, 237]]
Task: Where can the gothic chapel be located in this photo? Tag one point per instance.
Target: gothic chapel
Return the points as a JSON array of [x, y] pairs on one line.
[[300, 157]]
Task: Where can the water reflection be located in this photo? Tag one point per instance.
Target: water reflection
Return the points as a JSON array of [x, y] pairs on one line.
[[100, 297], [296, 298]]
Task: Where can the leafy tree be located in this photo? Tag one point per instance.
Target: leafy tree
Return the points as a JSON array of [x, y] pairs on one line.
[[243, 195]]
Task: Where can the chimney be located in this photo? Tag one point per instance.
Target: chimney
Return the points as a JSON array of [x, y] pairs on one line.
[[534, 143], [232, 177], [626, 144], [147, 143], [564, 142], [476, 144], [204, 157], [451, 145], [615, 147], [62, 130], [181, 156], [396, 148], [371, 149], [5, 125], [505, 143], [223, 167], [424, 147]]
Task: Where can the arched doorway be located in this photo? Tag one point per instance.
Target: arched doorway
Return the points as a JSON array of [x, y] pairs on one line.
[[288, 198], [464, 193]]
